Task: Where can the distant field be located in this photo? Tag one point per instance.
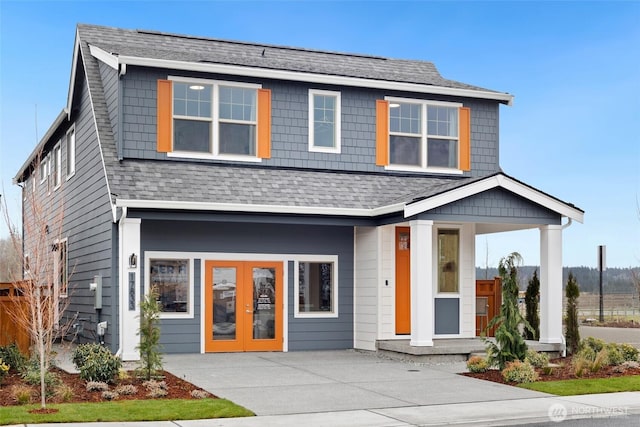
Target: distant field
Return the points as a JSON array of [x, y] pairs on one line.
[[616, 306]]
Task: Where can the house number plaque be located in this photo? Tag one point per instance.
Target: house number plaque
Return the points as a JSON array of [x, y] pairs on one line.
[[132, 291]]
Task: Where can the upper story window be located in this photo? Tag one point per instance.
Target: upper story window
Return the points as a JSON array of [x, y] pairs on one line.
[[71, 152], [61, 265], [422, 135], [56, 165], [324, 121], [212, 119], [44, 169]]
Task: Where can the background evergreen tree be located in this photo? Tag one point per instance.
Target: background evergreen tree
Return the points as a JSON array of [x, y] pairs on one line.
[[531, 299], [509, 343], [572, 333]]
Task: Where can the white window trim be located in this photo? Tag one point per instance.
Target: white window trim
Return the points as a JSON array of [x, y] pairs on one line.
[[148, 256], [71, 171], [44, 169], [214, 120], [334, 292], [57, 161], [423, 138], [56, 267], [436, 292], [337, 122]]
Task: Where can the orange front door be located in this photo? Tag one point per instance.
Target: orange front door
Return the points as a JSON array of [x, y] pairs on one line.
[[403, 281], [488, 301], [243, 306]]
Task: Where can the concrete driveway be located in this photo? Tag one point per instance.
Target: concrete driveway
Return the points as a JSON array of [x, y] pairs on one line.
[[323, 381]]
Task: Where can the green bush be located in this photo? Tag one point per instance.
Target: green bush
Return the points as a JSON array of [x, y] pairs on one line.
[[538, 360], [629, 352], [601, 360], [593, 343], [31, 375], [96, 363], [519, 372], [587, 353], [11, 356], [477, 364], [615, 355]]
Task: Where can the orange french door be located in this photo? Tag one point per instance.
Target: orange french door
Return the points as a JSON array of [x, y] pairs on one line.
[[403, 281], [243, 306]]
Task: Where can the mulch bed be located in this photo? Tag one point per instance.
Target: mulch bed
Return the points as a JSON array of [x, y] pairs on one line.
[[177, 388], [562, 372]]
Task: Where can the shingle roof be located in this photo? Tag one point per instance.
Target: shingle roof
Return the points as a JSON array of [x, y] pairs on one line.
[[157, 45]]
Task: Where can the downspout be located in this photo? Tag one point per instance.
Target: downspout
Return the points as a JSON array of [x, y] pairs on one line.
[[564, 341], [120, 271]]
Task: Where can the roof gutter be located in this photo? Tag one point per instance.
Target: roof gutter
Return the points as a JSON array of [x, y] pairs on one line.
[[238, 70], [271, 209]]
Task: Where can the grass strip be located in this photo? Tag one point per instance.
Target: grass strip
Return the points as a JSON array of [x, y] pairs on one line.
[[126, 410], [586, 386]]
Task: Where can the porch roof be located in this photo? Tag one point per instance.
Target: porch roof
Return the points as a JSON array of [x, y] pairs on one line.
[[195, 186]]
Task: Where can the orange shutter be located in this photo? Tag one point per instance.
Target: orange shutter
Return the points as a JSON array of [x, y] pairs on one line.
[[465, 138], [165, 119], [382, 132], [264, 123]]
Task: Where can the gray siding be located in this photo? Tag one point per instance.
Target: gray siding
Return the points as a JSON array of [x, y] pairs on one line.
[[290, 124], [494, 206], [304, 334], [109, 78]]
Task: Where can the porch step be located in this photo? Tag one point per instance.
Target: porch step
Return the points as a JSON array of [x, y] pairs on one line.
[[482, 354]]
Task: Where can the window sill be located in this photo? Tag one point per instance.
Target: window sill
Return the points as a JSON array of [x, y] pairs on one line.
[[209, 156], [316, 315], [169, 315], [443, 171], [331, 150]]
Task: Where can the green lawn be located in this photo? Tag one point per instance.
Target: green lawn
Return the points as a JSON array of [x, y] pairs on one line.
[[126, 410], [586, 386]]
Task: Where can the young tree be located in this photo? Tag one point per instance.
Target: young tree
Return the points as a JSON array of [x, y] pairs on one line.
[[531, 299], [149, 347], [572, 333], [44, 276], [509, 345]]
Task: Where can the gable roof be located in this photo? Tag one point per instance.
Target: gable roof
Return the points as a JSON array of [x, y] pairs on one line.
[[119, 47]]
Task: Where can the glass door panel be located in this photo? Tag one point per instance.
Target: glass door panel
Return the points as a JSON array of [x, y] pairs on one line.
[[224, 303], [264, 303]]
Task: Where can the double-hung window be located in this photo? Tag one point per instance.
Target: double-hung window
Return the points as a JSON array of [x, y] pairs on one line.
[[423, 135], [56, 165], [213, 119], [324, 121], [61, 265], [71, 152]]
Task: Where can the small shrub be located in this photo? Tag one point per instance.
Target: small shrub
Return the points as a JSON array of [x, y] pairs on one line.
[[587, 353], [21, 394], [126, 389], [155, 384], [109, 395], [519, 372], [547, 369], [580, 364], [199, 394], [4, 370], [157, 392], [538, 360], [595, 344], [11, 355], [601, 360], [31, 375], [629, 352], [123, 374], [64, 393], [96, 363], [477, 364], [620, 369], [615, 356], [630, 364], [97, 386]]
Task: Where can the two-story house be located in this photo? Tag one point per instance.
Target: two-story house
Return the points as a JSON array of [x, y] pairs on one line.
[[280, 198]]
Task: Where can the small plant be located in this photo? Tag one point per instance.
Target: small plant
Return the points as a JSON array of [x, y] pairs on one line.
[[126, 390], [630, 364], [572, 332], [157, 392], [4, 370], [477, 364], [123, 374], [519, 372], [12, 356], [601, 360], [538, 360], [548, 369], [109, 395], [21, 394], [31, 375], [580, 364], [149, 347], [199, 394], [595, 344], [97, 386], [614, 353], [64, 393], [156, 388], [96, 363], [629, 352]]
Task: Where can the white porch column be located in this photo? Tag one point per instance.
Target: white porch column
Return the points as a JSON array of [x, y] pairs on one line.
[[421, 283], [129, 233], [551, 284]]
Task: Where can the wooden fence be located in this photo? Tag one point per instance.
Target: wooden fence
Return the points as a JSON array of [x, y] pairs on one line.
[[10, 300]]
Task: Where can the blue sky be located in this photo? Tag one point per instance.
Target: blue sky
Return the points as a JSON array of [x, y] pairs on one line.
[[574, 68]]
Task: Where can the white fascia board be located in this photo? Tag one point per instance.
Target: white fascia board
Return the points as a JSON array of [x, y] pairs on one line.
[[488, 184], [104, 56], [313, 78], [272, 209], [72, 78]]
